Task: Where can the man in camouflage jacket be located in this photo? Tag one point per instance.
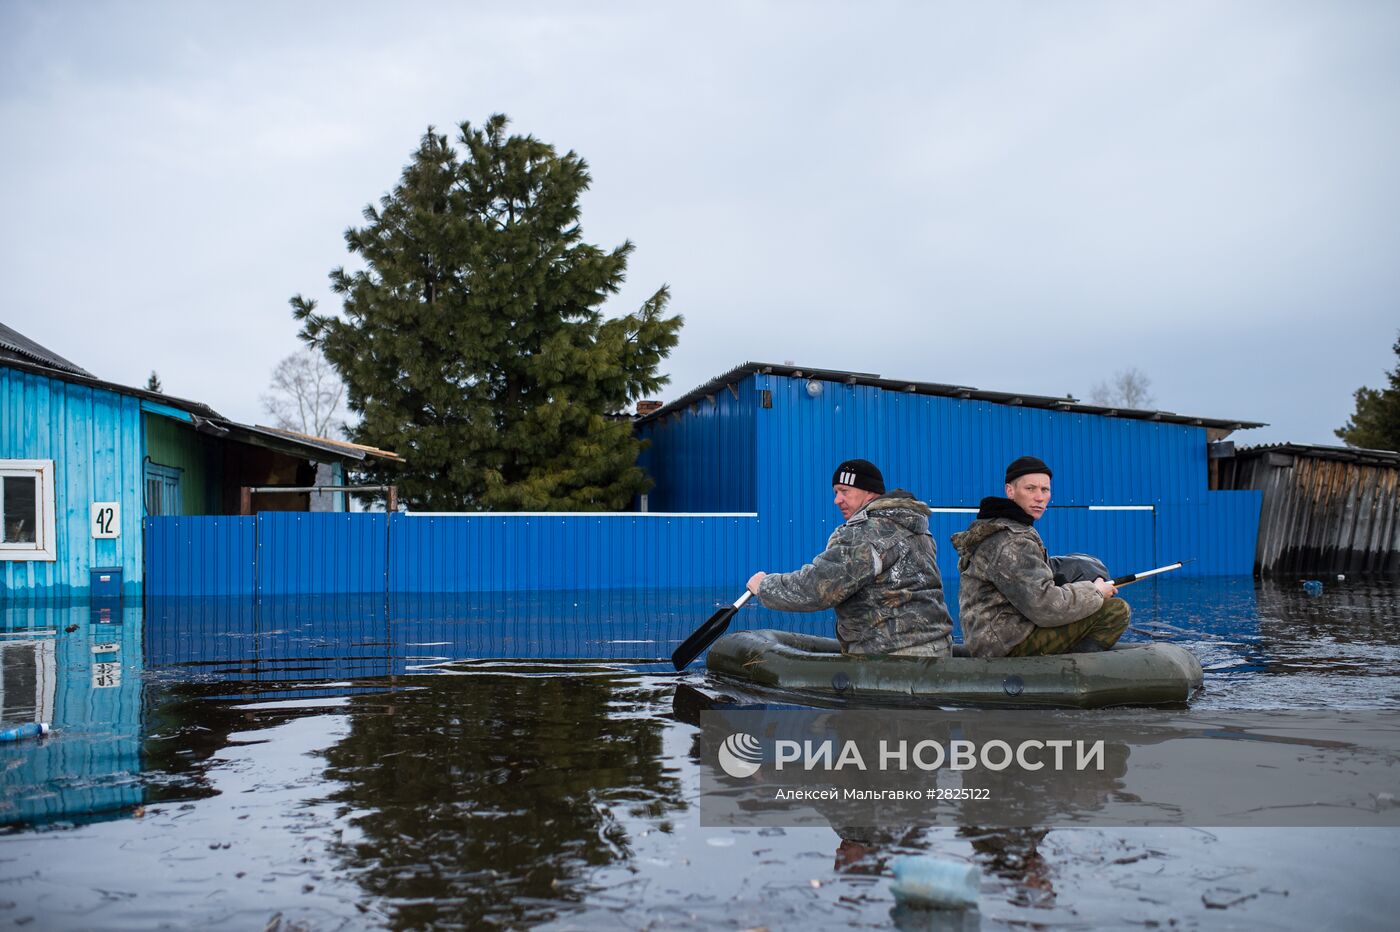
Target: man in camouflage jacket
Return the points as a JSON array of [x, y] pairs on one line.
[[1008, 602], [879, 572]]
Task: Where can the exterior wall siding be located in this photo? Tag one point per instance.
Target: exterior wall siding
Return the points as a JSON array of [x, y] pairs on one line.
[[169, 443], [951, 452], [95, 439], [704, 459]]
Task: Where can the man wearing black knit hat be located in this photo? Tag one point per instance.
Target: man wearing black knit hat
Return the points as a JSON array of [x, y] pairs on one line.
[[1008, 602], [879, 572]]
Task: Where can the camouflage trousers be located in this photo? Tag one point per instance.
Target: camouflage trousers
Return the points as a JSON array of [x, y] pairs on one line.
[[1105, 626], [942, 647]]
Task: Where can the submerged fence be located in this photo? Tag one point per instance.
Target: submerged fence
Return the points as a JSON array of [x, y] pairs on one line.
[[284, 554], [278, 554]]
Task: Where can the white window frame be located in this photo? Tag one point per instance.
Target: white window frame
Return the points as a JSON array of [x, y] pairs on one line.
[[45, 537]]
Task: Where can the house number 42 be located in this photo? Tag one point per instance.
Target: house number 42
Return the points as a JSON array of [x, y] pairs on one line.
[[106, 519]]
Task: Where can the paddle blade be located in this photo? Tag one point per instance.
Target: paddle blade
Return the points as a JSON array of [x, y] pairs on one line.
[[703, 637]]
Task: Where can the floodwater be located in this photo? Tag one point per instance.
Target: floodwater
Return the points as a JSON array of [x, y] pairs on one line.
[[523, 761]]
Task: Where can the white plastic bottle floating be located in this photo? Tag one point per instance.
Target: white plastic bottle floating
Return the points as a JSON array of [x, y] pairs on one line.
[[928, 882], [29, 730]]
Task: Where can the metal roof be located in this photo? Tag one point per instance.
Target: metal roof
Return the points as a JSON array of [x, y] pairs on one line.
[[1057, 403], [1324, 452], [14, 342], [339, 447]]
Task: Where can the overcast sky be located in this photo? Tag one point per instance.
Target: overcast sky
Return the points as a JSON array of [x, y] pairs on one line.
[[1014, 196]]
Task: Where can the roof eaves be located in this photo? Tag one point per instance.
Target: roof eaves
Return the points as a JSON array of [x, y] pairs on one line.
[[16, 342], [358, 451], [1325, 451], [304, 445], [1054, 402]]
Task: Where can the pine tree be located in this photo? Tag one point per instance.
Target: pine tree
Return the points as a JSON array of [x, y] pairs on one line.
[[153, 383], [1375, 424], [473, 341]]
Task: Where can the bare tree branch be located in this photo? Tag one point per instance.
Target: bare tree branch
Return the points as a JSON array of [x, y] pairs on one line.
[[1129, 388], [305, 395]]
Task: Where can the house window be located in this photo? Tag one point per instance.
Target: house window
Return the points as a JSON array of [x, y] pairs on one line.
[[162, 490], [26, 510]]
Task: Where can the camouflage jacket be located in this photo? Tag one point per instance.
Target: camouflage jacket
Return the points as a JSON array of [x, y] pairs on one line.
[[879, 572], [1007, 589]]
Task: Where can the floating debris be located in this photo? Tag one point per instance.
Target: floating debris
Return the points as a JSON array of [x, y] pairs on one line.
[[923, 881], [28, 730]]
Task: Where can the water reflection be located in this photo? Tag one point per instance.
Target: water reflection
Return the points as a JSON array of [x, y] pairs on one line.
[[147, 689], [516, 784], [1272, 645], [353, 636], [84, 679], [486, 799]]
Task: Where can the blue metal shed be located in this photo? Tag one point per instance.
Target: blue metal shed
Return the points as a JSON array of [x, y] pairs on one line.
[[1131, 486]]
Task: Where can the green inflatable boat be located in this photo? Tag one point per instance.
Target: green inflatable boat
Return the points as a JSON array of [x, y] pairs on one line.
[[813, 669]]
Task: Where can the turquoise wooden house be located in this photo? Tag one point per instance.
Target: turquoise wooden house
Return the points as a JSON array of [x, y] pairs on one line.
[[83, 462]]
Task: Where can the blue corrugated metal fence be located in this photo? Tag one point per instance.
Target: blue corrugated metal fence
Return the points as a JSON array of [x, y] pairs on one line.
[[279, 554]]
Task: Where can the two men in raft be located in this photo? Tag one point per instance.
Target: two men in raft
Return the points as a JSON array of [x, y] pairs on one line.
[[880, 573]]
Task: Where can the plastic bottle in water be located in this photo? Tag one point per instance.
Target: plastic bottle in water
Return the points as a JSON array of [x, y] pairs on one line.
[[33, 729], [926, 882]]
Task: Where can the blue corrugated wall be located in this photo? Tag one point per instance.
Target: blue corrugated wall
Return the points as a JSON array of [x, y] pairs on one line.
[[94, 438], [491, 553], [705, 458], [304, 552], [201, 556], [281, 554]]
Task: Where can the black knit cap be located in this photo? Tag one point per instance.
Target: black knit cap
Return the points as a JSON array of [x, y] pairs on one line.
[[859, 474], [1024, 466]]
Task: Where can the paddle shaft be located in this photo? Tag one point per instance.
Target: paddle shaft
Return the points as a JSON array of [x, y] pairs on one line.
[[1134, 577]]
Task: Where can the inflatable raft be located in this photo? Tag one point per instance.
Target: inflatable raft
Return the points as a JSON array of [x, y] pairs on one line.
[[813, 669]]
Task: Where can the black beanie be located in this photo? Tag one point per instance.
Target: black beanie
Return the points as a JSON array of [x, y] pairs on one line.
[[1024, 466], [859, 474]]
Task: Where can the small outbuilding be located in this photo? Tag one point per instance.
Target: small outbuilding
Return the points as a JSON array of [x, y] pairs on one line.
[[1326, 509]]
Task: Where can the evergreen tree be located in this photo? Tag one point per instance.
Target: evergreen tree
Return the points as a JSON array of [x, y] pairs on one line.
[[153, 383], [473, 341], [1375, 424]]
